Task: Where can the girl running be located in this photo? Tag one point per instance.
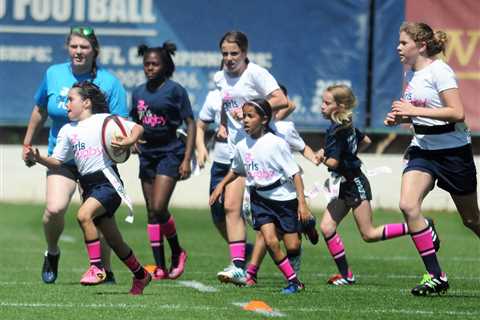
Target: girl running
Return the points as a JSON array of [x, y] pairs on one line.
[[239, 81], [277, 193], [50, 102], [440, 150], [161, 105], [342, 143], [81, 140]]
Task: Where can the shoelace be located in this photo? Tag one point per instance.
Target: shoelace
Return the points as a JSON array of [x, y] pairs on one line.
[[427, 280]]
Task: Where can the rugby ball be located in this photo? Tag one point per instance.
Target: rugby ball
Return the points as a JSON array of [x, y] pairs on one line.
[[113, 127]]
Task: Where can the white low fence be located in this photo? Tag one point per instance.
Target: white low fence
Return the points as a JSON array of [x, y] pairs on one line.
[[21, 184]]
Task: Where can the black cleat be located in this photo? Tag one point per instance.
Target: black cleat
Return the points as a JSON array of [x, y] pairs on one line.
[[430, 285], [311, 233], [110, 278], [435, 238], [50, 268]]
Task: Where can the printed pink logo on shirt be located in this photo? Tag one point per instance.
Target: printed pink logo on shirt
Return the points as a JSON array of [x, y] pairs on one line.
[[147, 117], [254, 171], [408, 95]]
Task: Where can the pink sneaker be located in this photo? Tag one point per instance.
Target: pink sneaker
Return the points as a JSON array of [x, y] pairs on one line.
[[139, 284], [177, 271], [93, 276], [160, 274]]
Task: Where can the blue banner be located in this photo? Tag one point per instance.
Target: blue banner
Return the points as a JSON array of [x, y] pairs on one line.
[[386, 67], [307, 45]]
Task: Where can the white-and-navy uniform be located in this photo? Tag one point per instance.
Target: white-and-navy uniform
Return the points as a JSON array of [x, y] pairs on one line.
[[254, 83], [82, 142], [268, 165], [440, 148], [222, 152]]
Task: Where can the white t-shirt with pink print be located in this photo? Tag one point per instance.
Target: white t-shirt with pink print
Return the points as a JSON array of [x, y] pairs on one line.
[[82, 142], [423, 88], [263, 162], [254, 83]]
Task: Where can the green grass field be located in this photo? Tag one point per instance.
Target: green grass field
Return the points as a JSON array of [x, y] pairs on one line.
[[385, 273]]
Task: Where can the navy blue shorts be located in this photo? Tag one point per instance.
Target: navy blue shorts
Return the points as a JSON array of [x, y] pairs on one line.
[[67, 170], [453, 169], [284, 214], [217, 173], [160, 164], [355, 190], [97, 186]]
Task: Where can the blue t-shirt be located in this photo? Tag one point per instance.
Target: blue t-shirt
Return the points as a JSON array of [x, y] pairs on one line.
[[341, 143], [161, 113], [53, 95]]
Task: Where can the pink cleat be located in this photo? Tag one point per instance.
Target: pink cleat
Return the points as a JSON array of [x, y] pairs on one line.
[[177, 271], [160, 274], [93, 276], [139, 284]]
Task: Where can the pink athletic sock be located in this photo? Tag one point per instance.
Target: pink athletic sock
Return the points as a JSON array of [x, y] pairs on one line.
[[287, 269], [237, 253], [252, 269], [394, 230], [154, 235], [94, 252], [424, 244], [134, 265], [168, 228], [335, 246]]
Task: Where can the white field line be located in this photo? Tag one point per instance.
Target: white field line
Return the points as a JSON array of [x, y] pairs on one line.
[[67, 238], [273, 313], [36, 305], [198, 286]]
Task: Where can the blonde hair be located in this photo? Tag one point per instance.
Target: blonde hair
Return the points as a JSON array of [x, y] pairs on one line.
[[436, 42], [345, 100]]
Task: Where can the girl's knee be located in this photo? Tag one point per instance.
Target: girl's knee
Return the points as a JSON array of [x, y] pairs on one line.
[[272, 242], [54, 211], [84, 217], [327, 229], [409, 209], [293, 244], [368, 236]]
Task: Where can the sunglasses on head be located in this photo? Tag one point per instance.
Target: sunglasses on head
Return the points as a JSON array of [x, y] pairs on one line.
[[86, 31]]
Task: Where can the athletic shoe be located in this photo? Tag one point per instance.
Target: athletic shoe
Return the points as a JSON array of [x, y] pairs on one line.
[[293, 287], [139, 284], [177, 271], [431, 284], [234, 275], [159, 274], [93, 276], [435, 238], [311, 233], [339, 280], [50, 267], [110, 278], [251, 280]]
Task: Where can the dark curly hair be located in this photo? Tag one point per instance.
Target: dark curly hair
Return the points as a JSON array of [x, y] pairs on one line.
[[89, 90]]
